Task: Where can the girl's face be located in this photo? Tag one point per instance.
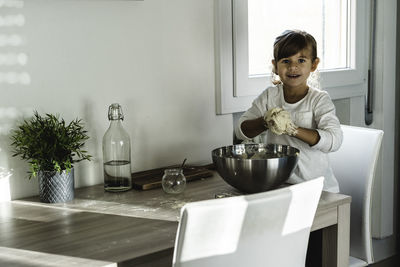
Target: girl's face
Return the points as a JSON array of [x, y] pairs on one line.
[[294, 70]]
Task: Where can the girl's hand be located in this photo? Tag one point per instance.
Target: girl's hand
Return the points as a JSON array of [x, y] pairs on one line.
[[252, 128], [309, 136]]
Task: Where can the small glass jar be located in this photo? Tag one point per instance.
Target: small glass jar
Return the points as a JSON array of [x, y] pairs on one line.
[[173, 181]]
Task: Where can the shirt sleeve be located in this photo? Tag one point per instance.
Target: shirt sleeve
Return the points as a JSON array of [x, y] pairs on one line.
[[328, 125], [256, 110]]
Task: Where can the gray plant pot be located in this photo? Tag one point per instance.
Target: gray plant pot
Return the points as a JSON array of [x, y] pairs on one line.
[[55, 187]]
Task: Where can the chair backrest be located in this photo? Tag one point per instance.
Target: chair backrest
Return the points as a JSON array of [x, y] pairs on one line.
[[264, 229], [354, 167]]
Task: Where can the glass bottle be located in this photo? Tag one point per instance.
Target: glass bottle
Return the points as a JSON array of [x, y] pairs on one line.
[[116, 153], [173, 181]]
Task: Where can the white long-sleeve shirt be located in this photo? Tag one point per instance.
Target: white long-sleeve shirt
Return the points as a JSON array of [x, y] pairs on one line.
[[314, 111]]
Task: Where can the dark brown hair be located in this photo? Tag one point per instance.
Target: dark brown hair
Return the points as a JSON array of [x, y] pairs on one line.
[[290, 42]]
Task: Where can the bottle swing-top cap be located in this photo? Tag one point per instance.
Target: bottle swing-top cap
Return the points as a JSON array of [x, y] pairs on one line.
[[115, 112]]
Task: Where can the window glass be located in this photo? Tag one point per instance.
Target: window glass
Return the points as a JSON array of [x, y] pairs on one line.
[[326, 20]]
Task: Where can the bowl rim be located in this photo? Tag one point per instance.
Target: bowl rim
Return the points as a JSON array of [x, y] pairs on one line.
[[295, 150]]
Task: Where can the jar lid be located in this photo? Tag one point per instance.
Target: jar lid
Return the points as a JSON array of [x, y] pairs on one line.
[[115, 112]]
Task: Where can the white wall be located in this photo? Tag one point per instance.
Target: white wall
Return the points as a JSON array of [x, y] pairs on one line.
[[383, 207], [385, 88], [154, 57]]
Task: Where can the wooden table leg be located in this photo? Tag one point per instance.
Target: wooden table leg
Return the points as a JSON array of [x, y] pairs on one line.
[[336, 240], [343, 235]]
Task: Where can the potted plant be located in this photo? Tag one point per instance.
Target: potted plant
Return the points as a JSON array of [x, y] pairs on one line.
[[51, 147]]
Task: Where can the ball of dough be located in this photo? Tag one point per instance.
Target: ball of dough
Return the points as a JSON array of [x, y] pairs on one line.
[[280, 122]]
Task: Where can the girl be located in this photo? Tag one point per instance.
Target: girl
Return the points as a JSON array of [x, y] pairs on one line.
[[313, 127]]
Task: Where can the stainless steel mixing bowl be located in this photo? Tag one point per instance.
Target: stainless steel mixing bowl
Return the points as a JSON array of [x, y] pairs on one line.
[[253, 168]]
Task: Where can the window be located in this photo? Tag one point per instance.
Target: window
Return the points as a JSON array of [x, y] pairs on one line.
[[326, 20], [245, 31]]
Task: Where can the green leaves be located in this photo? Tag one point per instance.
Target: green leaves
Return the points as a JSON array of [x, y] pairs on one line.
[[49, 144]]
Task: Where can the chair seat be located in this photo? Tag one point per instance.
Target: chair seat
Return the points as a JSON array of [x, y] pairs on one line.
[[356, 262]]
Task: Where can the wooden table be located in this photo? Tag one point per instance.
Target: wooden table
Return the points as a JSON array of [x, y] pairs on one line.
[[131, 228]]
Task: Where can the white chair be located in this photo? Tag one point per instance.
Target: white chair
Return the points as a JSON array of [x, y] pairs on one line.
[[354, 166], [265, 229]]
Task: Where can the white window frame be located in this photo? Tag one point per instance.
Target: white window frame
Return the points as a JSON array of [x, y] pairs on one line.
[[235, 90]]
